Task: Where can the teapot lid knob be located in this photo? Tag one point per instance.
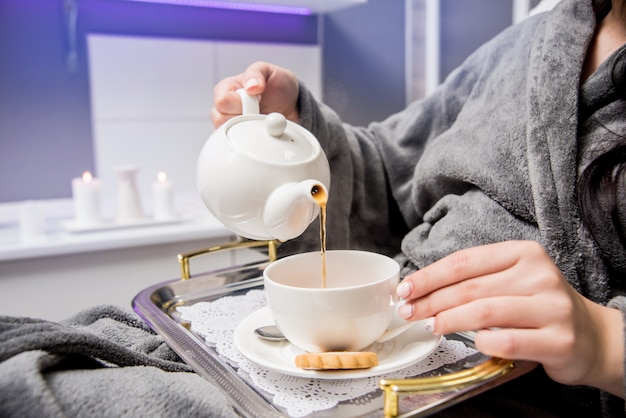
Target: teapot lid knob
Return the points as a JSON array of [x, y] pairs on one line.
[[275, 124]]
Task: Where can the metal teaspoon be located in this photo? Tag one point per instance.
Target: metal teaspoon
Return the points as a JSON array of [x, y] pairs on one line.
[[270, 333]]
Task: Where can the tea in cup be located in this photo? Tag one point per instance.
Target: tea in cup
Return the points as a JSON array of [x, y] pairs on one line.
[[354, 308]]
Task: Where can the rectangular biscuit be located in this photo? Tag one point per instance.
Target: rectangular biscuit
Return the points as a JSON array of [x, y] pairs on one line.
[[337, 360]]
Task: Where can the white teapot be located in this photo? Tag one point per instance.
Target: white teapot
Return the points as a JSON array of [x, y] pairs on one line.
[[260, 175]]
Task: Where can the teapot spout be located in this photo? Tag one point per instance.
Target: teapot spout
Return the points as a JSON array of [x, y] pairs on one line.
[[292, 207]]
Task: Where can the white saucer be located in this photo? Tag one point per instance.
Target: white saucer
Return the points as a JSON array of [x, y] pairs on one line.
[[402, 351]]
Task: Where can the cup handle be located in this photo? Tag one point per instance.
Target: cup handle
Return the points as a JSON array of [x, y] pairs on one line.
[[398, 325], [395, 331]]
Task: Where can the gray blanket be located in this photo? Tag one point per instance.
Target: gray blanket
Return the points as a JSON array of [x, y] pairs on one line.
[[103, 362]]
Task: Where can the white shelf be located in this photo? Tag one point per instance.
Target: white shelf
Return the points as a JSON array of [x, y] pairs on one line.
[[197, 225]]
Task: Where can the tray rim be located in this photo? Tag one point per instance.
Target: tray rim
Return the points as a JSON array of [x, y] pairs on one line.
[[212, 368], [247, 401]]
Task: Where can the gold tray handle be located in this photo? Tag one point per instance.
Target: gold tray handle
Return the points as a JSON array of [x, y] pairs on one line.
[[393, 388], [183, 259]]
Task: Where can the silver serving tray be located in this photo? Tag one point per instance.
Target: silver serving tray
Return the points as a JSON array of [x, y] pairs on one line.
[[421, 396]]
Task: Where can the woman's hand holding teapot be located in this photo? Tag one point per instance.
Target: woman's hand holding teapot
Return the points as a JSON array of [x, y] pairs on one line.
[[278, 86]]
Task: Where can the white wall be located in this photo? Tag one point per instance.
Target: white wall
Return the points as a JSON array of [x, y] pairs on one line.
[[151, 100], [55, 288]]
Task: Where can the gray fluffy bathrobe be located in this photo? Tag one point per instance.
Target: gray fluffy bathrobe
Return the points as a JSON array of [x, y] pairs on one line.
[[492, 155]]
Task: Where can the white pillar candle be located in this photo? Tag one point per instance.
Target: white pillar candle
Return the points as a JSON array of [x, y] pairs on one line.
[[162, 197], [86, 194]]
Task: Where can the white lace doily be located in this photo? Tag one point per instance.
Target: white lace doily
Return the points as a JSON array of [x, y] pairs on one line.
[[216, 322]]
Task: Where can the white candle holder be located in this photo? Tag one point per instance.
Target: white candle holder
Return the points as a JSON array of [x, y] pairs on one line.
[[31, 221], [128, 203]]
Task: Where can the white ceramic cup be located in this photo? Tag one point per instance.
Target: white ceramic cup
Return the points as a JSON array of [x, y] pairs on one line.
[[350, 313]]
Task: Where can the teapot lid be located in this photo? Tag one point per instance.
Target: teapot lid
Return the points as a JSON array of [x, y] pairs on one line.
[[272, 138]]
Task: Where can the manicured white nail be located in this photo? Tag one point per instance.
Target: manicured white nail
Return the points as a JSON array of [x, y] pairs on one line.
[[429, 324], [404, 289], [405, 311], [252, 82]]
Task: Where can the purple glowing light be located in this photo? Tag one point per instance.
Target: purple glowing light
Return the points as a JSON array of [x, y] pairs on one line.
[[254, 7]]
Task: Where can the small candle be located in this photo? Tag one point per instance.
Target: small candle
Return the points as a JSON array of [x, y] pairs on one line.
[[86, 194], [162, 196]]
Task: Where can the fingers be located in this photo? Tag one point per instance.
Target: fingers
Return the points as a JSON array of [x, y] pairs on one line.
[[522, 344], [464, 292], [226, 103], [459, 266], [277, 87], [499, 285], [255, 77], [579, 350], [525, 312], [553, 349], [473, 267], [226, 100]]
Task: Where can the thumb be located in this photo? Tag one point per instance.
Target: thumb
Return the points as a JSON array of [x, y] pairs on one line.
[[255, 77]]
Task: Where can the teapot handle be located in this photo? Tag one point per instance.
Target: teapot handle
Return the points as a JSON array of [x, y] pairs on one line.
[[249, 103]]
